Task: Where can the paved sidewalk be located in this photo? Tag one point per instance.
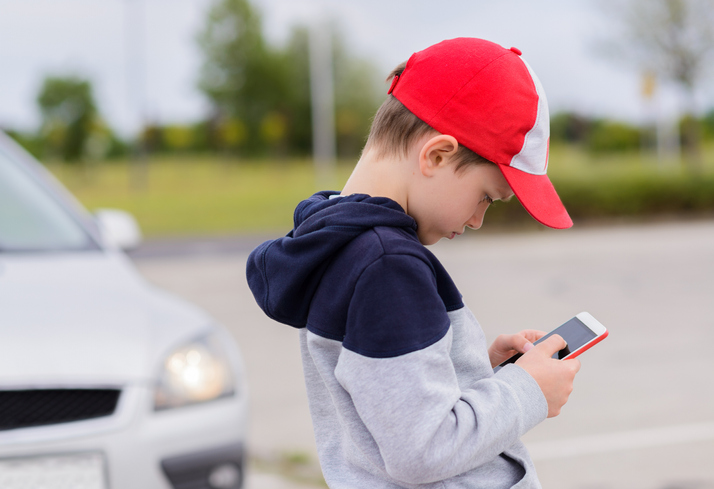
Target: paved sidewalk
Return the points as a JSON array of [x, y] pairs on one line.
[[261, 480]]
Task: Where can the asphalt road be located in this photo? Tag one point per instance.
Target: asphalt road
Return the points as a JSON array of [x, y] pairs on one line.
[[642, 413]]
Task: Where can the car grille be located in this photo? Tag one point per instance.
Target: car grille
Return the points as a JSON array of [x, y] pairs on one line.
[[37, 407]]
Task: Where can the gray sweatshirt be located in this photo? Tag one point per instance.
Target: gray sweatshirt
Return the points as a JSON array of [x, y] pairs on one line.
[[401, 389]]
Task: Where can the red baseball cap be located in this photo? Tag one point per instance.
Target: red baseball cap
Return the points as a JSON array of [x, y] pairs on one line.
[[491, 101]]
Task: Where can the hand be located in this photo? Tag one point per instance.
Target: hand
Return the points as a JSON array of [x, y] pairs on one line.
[[507, 345], [554, 377]]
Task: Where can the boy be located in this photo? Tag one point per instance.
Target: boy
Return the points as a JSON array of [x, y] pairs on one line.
[[398, 373]]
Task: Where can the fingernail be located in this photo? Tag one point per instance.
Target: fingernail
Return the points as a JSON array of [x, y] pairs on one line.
[[527, 347]]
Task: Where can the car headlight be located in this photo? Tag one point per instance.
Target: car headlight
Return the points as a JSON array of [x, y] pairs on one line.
[[196, 372]]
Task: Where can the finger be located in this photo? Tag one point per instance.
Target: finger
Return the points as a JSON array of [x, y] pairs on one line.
[[532, 334], [512, 342], [520, 343], [552, 344]]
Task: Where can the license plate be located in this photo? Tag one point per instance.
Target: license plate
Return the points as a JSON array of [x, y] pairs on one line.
[[77, 471]]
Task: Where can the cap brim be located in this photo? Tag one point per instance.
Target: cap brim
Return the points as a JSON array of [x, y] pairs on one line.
[[538, 196]]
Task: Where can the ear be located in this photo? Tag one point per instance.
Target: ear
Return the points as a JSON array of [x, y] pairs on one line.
[[436, 153]]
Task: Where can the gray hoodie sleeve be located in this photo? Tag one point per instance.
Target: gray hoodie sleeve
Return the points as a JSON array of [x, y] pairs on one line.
[[429, 421]]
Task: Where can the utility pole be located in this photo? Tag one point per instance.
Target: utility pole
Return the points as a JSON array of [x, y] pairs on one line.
[[322, 103], [662, 130], [135, 53]]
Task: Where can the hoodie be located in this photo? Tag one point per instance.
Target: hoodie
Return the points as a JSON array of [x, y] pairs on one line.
[[400, 385]]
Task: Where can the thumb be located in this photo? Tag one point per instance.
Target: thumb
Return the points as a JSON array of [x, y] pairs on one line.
[[552, 345]]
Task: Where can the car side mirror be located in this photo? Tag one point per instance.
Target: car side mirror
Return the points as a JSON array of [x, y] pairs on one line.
[[118, 228]]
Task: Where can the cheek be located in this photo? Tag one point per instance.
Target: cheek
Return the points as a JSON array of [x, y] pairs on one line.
[[465, 208], [450, 216]]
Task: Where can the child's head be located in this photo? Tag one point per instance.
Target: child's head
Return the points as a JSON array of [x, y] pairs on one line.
[[395, 130], [490, 101]]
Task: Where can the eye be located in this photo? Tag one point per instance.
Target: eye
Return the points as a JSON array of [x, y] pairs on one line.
[[487, 199]]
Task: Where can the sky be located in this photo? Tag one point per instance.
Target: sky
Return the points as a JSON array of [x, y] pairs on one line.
[[143, 61]]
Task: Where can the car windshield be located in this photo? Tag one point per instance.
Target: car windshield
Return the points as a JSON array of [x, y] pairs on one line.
[[31, 219]]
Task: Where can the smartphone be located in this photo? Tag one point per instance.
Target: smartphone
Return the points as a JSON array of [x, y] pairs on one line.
[[581, 333]]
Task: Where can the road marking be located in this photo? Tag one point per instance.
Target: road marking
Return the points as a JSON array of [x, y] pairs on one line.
[[621, 441]]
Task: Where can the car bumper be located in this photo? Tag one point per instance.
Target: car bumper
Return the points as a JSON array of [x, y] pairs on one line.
[[143, 448], [219, 468]]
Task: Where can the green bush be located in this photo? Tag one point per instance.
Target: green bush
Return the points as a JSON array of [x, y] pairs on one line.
[[567, 127], [708, 126], [651, 195], [637, 196], [609, 136]]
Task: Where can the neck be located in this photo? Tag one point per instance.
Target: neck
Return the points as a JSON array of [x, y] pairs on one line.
[[379, 177]]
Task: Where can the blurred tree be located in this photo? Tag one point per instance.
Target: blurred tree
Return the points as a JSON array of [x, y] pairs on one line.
[[675, 40], [178, 137], [267, 89], [241, 75], [151, 138], [356, 87], [708, 125], [358, 94], [69, 115], [231, 133], [569, 127], [611, 136], [295, 58]]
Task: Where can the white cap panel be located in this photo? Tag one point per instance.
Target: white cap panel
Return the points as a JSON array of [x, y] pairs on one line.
[[533, 157]]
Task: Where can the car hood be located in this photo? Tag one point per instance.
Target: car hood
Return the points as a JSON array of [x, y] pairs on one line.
[[86, 318]]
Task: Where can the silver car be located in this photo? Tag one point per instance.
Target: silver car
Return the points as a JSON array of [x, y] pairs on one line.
[[105, 381]]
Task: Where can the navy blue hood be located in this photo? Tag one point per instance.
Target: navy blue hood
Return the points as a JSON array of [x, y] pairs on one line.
[[284, 273]]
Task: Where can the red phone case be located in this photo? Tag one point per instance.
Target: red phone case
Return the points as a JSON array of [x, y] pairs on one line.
[[587, 346]]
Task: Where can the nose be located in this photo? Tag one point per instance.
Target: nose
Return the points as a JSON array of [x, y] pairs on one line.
[[476, 221]]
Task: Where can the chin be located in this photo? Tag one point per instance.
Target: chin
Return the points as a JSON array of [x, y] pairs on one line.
[[429, 240]]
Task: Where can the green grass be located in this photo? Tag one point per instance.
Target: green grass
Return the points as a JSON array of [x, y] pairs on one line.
[[214, 195], [198, 195]]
